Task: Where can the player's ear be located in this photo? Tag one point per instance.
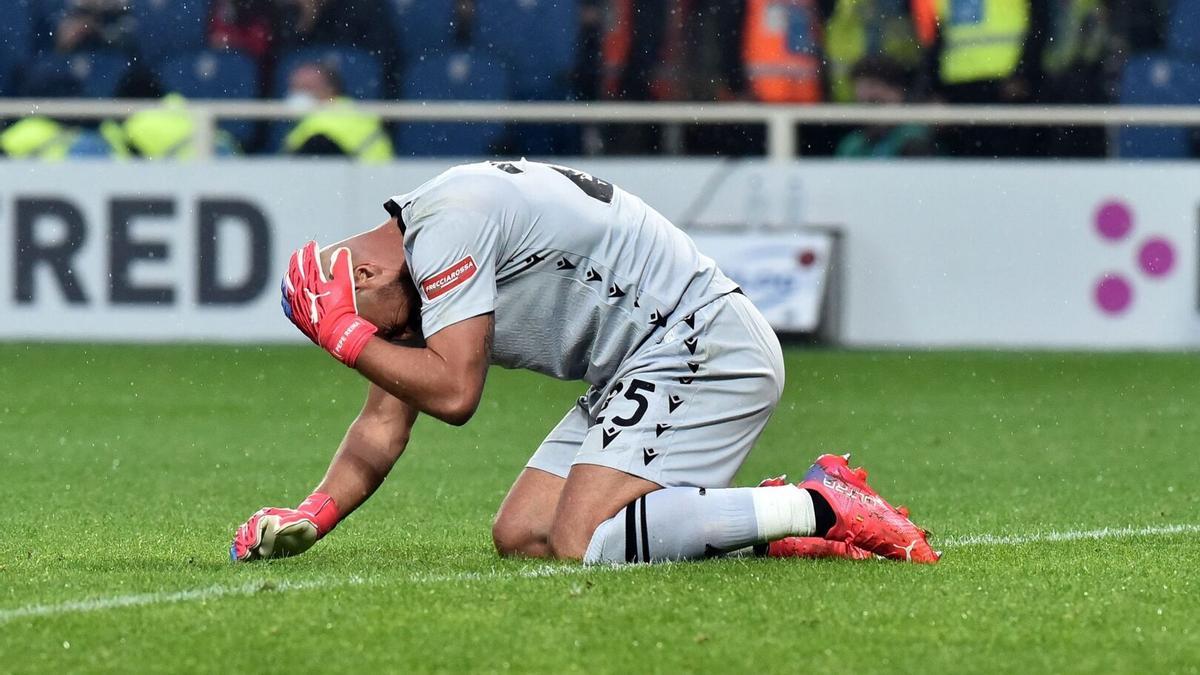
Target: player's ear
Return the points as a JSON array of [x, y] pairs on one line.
[[367, 275]]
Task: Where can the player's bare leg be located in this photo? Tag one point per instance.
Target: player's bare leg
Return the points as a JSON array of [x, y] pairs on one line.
[[591, 495], [522, 525]]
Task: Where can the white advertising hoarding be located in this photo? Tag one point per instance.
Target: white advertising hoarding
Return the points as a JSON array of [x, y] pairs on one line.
[[933, 253], [784, 273]]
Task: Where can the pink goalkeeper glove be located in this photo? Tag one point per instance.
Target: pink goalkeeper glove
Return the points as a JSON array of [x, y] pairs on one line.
[[323, 309], [279, 533]]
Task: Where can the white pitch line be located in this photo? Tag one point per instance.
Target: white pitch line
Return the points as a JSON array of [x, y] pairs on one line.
[[1066, 535], [166, 598], [271, 586]]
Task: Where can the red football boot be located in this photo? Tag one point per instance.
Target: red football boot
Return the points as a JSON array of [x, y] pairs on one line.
[[810, 547], [815, 548], [864, 519]]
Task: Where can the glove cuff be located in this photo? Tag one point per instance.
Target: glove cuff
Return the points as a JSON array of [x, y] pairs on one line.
[[323, 511], [349, 337]]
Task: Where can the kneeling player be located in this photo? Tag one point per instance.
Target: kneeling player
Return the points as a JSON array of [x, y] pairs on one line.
[[537, 266]]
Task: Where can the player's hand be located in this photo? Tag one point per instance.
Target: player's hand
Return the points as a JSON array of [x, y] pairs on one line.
[[326, 310], [279, 533]]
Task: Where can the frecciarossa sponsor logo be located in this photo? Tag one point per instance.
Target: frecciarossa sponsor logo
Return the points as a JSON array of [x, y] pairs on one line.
[[447, 280]]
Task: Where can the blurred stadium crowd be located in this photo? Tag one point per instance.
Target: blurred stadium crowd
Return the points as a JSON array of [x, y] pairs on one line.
[[773, 51]]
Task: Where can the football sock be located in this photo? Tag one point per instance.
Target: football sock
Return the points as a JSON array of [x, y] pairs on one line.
[[692, 523]]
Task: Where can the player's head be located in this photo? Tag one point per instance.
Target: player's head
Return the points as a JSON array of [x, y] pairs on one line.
[[383, 287]]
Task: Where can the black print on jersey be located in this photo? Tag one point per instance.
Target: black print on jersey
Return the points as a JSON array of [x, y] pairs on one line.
[[527, 263], [593, 275], [648, 455], [660, 428], [636, 387], [609, 435], [693, 366], [564, 264], [600, 190], [686, 380], [657, 319], [674, 402], [506, 167], [615, 291], [690, 320], [691, 343]]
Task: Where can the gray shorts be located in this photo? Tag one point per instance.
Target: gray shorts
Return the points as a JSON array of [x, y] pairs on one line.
[[684, 411]]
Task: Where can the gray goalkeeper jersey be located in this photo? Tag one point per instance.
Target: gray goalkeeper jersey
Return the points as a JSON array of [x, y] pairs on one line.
[[579, 273]]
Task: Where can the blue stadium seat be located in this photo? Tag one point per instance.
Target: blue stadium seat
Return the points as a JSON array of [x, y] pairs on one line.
[[87, 75], [1183, 31], [424, 27], [459, 76], [210, 74], [90, 144], [16, 43], [361, 73], [169, 27], [1153, 79], [536, 38]]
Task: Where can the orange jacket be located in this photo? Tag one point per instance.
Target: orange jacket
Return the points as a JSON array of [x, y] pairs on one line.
[[781, 48]]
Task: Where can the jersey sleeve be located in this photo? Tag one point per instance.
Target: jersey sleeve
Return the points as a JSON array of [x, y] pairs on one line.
[[452, 256]]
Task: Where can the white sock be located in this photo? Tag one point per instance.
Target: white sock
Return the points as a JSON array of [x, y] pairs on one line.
[[783, 511]]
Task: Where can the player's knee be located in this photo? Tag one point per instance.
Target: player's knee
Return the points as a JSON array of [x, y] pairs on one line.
[[513, 539], [505, 538]]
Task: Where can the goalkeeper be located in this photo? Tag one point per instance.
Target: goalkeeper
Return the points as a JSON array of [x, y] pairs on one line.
[[537, 266]]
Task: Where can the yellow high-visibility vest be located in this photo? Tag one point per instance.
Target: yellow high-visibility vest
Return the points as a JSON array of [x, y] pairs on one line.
[[165, 132], [37, 137], [981, 39], [359, 135], [859, 28]]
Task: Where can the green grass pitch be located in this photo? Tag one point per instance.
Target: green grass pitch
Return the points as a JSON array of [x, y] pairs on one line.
[[126, 469]]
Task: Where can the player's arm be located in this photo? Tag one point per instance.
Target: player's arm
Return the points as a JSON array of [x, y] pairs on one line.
[[445, 378], [371, 446]]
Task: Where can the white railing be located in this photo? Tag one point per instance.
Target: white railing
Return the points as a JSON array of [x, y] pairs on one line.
[[780, 120]]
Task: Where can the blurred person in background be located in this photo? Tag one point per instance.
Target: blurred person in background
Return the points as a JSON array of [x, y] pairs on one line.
[[38, 137], [782, 51], [336, 127], [879, 80], [859, 29], [1140, 26], [359, 24], [634, 52], [716, 73], [165, 132], [982, 52], [1075, 64], [87, 25], [250, 27]]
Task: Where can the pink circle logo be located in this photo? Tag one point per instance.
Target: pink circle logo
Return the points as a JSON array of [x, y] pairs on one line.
[[1114, 220], [1156, 257], [1113, 292]]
